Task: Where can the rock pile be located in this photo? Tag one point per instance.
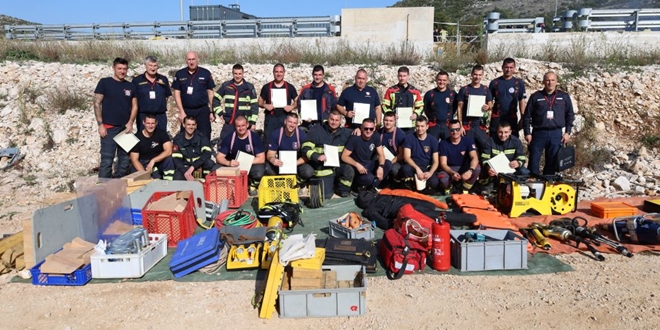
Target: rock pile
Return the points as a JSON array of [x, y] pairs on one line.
[[62, 144]]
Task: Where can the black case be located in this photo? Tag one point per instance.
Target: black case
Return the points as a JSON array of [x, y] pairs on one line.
[[345, 251], [565, 158]]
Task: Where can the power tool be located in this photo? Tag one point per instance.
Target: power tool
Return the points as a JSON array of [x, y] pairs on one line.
[[643, 229], [544, 194], [565, 235], [589, 233]]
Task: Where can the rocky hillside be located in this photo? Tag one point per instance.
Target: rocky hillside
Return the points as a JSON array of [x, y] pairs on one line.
[[46, 111]]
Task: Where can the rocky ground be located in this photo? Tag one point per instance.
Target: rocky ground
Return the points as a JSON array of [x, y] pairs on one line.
[[60, 145]]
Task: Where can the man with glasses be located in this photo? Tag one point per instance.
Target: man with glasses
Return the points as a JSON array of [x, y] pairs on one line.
[[459, 162], [365, 154], [420, 156], [549, 111], [153, 91]]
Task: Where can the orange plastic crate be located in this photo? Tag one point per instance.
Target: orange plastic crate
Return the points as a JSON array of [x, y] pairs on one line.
[[612, 209], [232, 188], [177, 225]]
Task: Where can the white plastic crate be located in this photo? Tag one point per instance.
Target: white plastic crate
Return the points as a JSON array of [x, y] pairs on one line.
[[130, 265]]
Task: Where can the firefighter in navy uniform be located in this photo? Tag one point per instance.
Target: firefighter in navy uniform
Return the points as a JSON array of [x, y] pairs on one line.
[[274, 116], [329, 133], [548, 112], [365, 154], [391, 138], [504, 142], [191, 151], [473, 127], [508, 95], [193, 93], [403, 95], [288, 138], [439, 106], [240, 99], [324, 94]]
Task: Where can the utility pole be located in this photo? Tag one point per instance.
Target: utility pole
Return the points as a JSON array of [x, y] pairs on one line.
[[181, 9]]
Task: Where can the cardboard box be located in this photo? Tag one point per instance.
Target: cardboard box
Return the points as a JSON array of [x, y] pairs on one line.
[[228, 171]]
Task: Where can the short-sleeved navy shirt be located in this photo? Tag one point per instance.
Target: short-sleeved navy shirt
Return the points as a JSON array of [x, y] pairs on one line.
[[393, 141], [161, 89], [439, 105], [464, 94], [255, 148], [363, 151], [293, 142], [457, 154], [352, 95], [266, 95], [117, 100], [200, 81], [150, 147], [507, 93], [421, 151]]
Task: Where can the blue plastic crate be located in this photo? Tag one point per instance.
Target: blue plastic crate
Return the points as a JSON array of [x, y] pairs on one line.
[[77, 278], [136, 215]]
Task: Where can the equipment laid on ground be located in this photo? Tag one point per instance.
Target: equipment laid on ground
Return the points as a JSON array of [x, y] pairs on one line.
[[351, 225], [315, 193], [272, 240], [644, 229], [544, 194], [196, 252], [500, 250], [244, 256], [440, 253], [582, 229], [289, 212], [565, 235], [652, 206]]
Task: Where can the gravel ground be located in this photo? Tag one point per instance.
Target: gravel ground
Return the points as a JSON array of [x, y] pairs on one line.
[[619, 293]]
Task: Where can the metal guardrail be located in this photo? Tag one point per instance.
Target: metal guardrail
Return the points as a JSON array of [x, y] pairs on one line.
[[324, 26], [493, 24], [588, 19]]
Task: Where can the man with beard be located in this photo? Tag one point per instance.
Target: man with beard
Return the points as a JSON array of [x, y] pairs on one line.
[[324, 94], [240, 99], [458, 160], [275, 113], [439, 106], [420, 154], [243, 140]]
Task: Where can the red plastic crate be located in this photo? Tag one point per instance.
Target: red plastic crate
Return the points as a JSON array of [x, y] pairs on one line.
[[232, 188], [177, 225]]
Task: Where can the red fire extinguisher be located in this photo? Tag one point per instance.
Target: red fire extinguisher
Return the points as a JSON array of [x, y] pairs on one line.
[[441, 249]]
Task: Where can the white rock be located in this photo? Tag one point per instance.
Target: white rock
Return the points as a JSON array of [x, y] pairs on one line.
[[6, 111], [59, 136], [639, 189], [622, 183], [44, 166]]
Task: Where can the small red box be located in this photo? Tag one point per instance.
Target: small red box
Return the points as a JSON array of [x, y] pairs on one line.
[[232, 188], [177, 225]]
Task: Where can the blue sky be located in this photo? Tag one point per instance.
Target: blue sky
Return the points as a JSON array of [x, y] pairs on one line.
[[109, 11]]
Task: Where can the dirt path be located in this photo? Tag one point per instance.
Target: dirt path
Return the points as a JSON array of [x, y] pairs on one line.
[[619, 293]]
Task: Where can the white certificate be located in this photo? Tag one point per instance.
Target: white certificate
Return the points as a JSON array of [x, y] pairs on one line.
[[289, 159], [404, 120], [308, 110], [500, 164], [126, 140], [361, 111], [244, 161], [331, 155], [388, 154], [475, 102], [278, 97], [420, 184]]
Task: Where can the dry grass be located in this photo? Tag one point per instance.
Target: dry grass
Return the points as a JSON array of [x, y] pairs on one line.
[[65, 99]]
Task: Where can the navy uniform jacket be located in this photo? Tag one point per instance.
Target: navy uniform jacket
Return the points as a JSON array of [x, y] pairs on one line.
[[549, 111]]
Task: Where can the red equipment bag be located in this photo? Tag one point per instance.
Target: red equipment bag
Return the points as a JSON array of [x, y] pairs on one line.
[[408, 212], [401, 255]]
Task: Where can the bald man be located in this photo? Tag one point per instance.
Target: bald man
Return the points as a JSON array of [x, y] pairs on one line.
[[193, 93], [547, 123]]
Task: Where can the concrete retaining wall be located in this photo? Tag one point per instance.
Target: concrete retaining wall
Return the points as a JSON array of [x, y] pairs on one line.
[[530, 45]]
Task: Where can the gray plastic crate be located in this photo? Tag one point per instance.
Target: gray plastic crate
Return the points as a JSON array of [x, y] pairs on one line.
[[507, 251], [339, 231], [327, 302]]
